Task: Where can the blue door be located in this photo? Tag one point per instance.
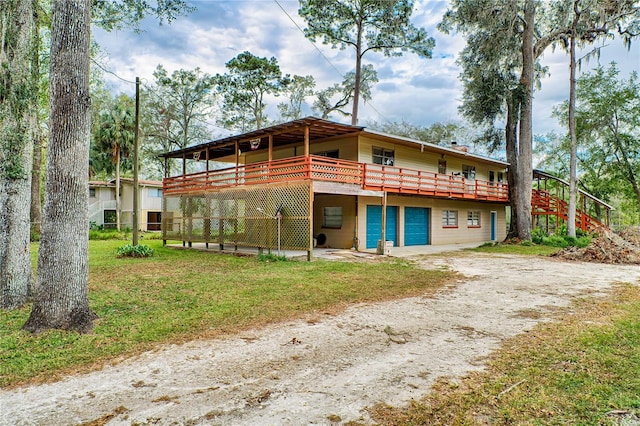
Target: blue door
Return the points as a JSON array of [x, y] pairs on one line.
[[374, 225], [494, 225], [416, 226]]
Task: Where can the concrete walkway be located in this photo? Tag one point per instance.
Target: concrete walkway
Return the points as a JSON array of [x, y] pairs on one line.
[[335, 253]]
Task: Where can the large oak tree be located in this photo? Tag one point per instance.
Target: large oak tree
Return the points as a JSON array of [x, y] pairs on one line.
[[61, 295], [16, 112]]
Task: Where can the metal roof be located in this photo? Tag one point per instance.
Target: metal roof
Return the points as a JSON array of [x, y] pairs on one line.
[[283, 134]]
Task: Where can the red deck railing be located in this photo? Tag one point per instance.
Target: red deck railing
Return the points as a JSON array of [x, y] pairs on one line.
[[317, 168], [543, 203]]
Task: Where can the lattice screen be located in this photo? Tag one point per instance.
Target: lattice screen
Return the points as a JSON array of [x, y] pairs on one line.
[[242, 217]]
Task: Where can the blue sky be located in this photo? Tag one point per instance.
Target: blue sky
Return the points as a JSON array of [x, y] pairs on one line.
[[420, 91]]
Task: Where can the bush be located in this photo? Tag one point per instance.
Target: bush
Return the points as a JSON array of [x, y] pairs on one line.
[[538, 235], [583, 241], [555, 241], [130, 250], [270, 257]]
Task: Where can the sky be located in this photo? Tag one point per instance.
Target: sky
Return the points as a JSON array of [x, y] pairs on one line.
[[417, 90]]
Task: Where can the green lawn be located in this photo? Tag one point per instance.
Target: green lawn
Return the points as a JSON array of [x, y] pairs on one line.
[[178, 295]]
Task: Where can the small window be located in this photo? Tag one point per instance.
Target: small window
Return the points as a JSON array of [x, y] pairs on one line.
[[383, 156], [500, 177], [473, 219], [469, 172], [331, 154], [332, 217], [449, 218], [92, 192], [492, 176], [155, 192], [442, 167]]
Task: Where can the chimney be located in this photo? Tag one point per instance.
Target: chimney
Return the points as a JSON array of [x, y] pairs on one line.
[[461, 148]]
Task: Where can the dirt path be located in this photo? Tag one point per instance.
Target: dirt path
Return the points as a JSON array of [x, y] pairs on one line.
[[328, 368]]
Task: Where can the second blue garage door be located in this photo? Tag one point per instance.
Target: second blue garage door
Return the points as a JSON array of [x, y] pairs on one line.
[[374, 225], [416, 226]]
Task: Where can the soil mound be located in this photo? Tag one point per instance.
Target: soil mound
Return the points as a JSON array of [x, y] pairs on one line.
[[609, 247]]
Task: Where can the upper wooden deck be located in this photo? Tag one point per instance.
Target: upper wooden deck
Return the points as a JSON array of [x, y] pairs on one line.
[[317, 168]]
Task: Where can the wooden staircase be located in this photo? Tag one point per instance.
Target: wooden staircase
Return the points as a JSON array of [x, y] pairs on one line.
[[550, 206]]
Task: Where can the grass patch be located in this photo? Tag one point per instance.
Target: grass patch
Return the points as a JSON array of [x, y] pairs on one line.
[[179, 295], [582, 370]]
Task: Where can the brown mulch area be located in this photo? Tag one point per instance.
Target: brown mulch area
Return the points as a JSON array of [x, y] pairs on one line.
[[622, 247]]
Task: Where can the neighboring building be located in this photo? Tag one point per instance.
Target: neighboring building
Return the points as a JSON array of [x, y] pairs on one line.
[[313, 181], [102, 204]]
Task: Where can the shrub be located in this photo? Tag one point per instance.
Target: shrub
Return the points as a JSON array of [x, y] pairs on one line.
[[583, 241], [270, 257], [538, 235], [555, 241], [130, 250]]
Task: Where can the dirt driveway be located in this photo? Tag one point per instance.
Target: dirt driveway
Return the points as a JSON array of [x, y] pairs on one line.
[[328, 368]]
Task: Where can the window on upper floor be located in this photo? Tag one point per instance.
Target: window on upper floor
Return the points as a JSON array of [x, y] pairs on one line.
[[331, 154], [92, 192], [155, 192], [383, 156], [469, 172], [450, 218], [473, 218]]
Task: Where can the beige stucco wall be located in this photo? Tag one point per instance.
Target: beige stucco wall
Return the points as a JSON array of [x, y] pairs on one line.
[[336, 238], [438, 234]]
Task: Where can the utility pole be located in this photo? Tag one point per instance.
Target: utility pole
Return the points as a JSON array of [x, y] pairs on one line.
[[135, 165]]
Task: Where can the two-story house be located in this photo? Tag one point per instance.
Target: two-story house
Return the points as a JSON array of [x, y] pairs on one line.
[[313, 181], [102, 203]]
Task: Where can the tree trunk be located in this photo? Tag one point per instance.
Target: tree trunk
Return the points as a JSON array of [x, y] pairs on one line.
[[573, 187], [573, 172], [61, 295], [356, 86], [511, 142], [525, 140], [36, 130], [118, 203], [36, 176], [16, 145]]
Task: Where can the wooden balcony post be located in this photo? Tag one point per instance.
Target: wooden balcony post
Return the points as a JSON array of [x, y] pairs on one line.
[[237, 144], [306, 141], [270, 148]]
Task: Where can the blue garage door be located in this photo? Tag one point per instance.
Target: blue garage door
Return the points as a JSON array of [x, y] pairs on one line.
[[416, 226], [374, 225]]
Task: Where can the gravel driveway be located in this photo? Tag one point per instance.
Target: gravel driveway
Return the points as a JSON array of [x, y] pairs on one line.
[[329, 368]]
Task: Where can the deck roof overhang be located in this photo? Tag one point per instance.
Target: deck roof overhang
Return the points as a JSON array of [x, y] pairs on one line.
[[281, 134]]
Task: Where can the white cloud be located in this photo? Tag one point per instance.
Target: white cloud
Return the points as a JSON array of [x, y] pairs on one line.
[[422, 91]]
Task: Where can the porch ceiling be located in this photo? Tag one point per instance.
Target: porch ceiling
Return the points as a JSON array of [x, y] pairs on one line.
[[283, 134]]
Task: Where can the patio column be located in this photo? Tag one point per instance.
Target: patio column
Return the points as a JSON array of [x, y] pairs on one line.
[[380, 248], [270, 148], [237, 145], [306, 141]]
